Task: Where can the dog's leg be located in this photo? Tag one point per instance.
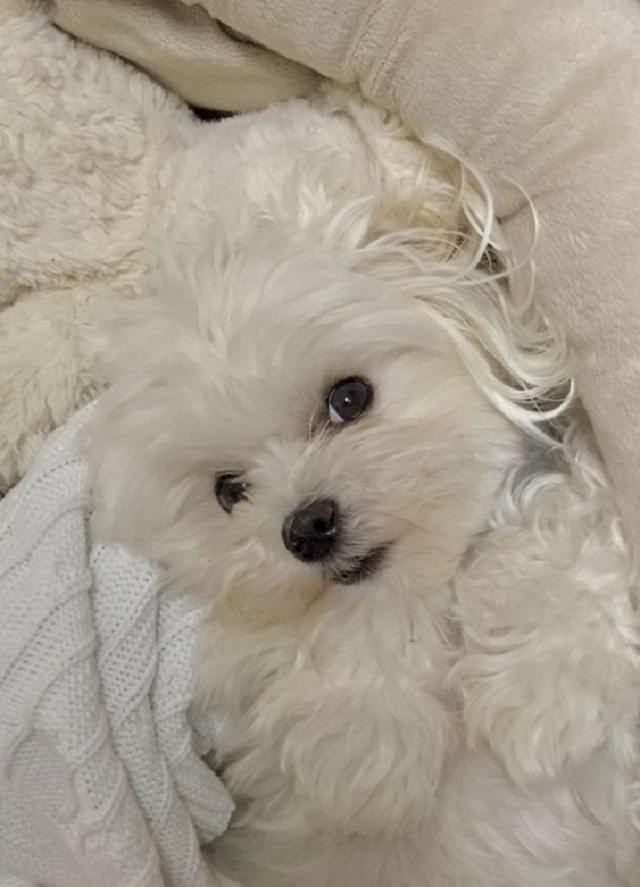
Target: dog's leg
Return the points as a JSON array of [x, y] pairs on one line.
[[550, 669]]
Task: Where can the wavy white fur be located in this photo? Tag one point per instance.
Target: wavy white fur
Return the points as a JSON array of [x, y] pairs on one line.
[[467, 716]]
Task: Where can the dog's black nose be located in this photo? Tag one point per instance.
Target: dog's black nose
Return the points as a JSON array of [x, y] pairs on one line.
[[310, 532]]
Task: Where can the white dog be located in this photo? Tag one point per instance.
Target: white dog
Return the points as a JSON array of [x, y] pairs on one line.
[[420, 625]]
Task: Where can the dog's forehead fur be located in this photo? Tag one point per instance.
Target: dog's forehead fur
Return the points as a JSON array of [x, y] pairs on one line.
[[286, 322], [270, 356], [296, 303]]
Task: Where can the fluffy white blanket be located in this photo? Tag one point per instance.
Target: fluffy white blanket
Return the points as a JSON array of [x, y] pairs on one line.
[[101, 776]]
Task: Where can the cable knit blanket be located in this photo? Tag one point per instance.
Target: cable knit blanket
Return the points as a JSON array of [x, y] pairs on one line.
[[101, 779]]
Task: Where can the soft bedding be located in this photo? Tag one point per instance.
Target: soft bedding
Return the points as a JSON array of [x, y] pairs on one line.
[[102, 771]]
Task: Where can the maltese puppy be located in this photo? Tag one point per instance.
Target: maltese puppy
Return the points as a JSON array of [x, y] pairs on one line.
[[419, 625]]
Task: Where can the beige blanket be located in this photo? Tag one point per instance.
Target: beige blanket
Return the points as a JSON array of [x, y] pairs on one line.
[[544, 93]]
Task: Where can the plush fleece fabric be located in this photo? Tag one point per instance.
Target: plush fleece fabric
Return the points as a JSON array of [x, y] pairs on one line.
[[81, 140], [544, 94]]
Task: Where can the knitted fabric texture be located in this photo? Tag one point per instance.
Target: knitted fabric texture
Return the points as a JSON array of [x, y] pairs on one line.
[[101, 779]]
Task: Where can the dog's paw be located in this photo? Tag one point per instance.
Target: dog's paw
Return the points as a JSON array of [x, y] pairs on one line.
[[550, 663], [538, 717]]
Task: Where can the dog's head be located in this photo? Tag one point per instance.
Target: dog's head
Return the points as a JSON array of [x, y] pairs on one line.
[[287, 427], [310, 437]]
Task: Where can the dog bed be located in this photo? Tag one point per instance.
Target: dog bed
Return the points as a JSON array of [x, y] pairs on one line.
[[104, 171]]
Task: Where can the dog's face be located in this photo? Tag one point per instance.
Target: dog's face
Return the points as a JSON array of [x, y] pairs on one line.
[[298, 433]]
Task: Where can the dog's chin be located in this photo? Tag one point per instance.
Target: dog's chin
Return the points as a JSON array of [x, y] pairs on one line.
[[358, 569]]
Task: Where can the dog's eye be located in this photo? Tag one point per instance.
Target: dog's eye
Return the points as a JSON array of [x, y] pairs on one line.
[[230, 489], [349, 399]]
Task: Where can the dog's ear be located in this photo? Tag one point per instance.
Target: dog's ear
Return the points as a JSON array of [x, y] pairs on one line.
[[550, 664]]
